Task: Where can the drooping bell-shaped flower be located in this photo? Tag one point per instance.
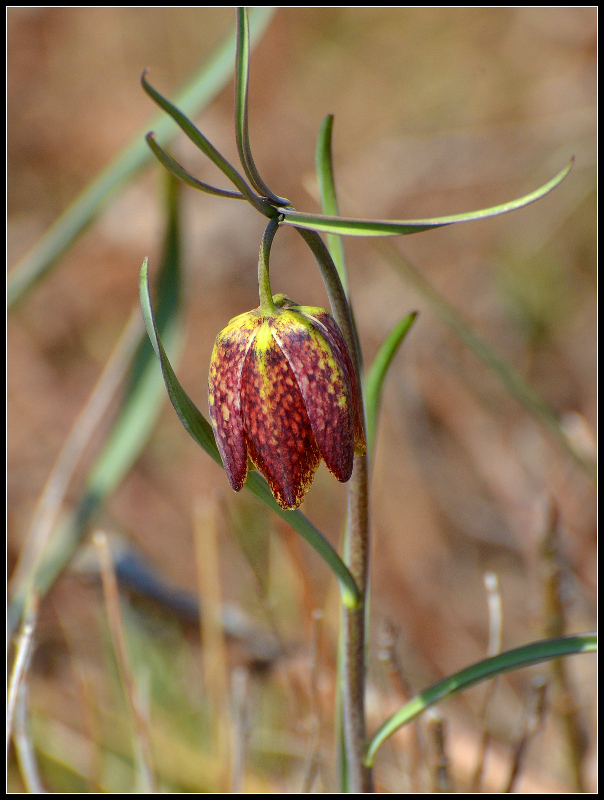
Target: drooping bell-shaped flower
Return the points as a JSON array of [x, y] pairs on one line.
[[283, 392]]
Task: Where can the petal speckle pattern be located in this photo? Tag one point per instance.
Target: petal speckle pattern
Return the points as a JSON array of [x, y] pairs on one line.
[[282, 391]]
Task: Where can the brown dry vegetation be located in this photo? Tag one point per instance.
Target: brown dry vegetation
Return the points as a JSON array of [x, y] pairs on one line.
[[437, 111]]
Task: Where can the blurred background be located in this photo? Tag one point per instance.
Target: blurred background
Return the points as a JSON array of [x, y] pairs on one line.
[[437, 111]]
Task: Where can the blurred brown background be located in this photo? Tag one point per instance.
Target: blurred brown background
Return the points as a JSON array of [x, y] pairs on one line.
[[437, 111]]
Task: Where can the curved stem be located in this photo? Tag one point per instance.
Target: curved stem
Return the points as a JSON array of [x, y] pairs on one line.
[[267, 306]]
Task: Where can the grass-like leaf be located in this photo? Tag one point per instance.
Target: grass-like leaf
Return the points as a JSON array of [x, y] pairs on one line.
[[374, 380], [181, 173], [201, 431], [327, 190], [206, 147], [367, 227], [329, 204], [188, 413], [242, 72], [485, 670], [197, 94], [142, 400]]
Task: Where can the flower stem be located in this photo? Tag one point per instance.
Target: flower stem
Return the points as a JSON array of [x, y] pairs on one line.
[[356, 557], [356, 548], [267, 306]]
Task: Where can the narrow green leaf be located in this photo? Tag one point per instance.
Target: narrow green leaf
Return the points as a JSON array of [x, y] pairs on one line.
[[190, 416], [180, 172], [142, 400], [327, 189], [302, 525], [242, 71], [485, 670], [367, 227], [374, 380], [201, 431], [329, 203], [206, 147], [208, 81]]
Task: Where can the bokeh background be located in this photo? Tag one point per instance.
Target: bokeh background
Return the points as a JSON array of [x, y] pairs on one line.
[[437, 111]]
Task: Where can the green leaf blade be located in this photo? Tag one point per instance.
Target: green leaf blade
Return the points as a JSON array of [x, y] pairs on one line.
[[179, 172], [188, 413], [242, 73], [201, 431], [200, 141], [374, 380], [364, 227], [141, 402], [525, 656], [327, 190]]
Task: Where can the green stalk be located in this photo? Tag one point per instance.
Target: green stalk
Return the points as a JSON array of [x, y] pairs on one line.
[[335, 292], [356, 556], [267, 306]]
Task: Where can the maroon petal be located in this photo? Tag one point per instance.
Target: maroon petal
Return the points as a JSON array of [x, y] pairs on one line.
[[324, 380], [230, 350], [278, 432], [322, 318]]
